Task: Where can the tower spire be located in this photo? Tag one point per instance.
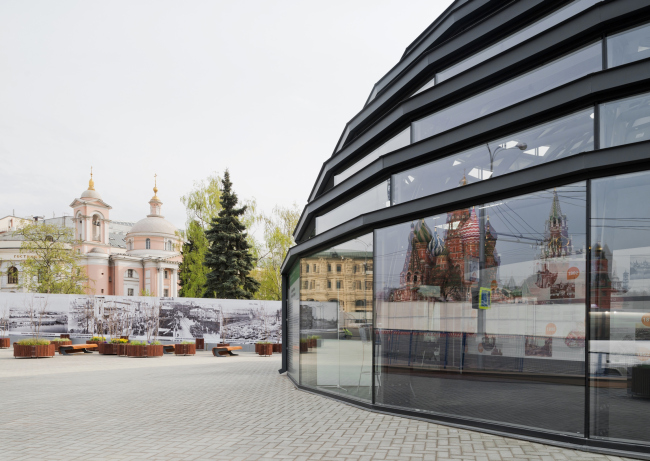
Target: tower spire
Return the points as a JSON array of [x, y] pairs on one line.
[[91, 183], [155, 187]]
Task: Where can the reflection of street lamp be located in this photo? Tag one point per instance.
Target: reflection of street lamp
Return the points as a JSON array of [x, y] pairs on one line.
[[520, 145]]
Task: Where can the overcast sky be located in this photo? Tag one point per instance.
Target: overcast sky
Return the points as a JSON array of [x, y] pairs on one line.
[[184, 89]]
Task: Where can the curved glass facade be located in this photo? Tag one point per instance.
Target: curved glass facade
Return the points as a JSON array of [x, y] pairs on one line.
[[519, 305]]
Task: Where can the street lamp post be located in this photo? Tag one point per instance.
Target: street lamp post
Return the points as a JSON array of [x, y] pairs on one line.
[[520, 145]]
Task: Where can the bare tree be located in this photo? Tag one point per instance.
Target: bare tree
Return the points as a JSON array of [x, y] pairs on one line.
[[36, 307], [4, 321]]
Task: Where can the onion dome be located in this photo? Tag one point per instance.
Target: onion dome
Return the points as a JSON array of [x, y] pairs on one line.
[[436, 245], [470, 232], [421, 232]]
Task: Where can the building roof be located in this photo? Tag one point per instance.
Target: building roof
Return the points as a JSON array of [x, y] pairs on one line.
[[153, 225]]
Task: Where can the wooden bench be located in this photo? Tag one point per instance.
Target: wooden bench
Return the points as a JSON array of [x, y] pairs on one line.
[[76, 348], [225, 351], [169, 348]]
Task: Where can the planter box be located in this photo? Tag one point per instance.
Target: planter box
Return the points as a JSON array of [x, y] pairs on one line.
[[107, 348], [58, 344], [200, 343], [33, 351], [311, 343], [223, 344], [185, 349], [144, 351], [304, 347], [121, 349], [640, 383], [65, 335], [277, 347], [4, 343], [265, 349], [88, 341]]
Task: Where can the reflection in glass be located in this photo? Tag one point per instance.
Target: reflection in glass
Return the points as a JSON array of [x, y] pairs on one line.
[[520, 360], [629, 46], [560, 138], [430, 84], [564, 70], [518, 37], [625, 121], [397, 142], [293, 323], [620, 308], [336, 319], [373, 199]]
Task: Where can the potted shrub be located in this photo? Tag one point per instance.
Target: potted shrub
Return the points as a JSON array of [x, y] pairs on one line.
[[304, 345], [33, 348], [5, 342], [185, 348], [58, 342], [120, 345], [144, 349], [200, 343], [265, 348], [640, 382], [96, 340], [277, 347]]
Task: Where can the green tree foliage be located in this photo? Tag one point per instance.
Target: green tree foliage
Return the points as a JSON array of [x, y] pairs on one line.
[[192, 271], [228, 257], [202, 203], [278, 238], [51, 265]]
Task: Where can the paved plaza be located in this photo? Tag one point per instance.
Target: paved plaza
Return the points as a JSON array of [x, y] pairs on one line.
[[94, 407]]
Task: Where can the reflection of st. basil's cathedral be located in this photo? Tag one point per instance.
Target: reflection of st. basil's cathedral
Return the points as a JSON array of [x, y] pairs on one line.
[[449, 262], [447, 266]]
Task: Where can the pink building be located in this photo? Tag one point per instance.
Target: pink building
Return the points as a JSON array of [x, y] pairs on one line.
[[145, 262]]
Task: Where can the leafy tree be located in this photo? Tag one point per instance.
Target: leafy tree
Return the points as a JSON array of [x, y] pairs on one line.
[[228, 257], [278, 238], [52, 265], [202, 204], [192, 271]]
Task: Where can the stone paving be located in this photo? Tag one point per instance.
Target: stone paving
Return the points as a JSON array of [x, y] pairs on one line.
[[94, 407]]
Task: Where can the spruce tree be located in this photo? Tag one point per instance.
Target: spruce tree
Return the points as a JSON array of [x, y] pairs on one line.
[[228, 257], [192, 271]]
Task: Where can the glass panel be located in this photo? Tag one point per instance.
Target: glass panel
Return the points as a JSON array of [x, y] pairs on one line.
[[397, 142], [560, 138], [336, 319], [518, 37], [629, 46], [620, 308], [566, 69], [374, 199], [625, 121], [293, 322], [517, 360], [430, 84]]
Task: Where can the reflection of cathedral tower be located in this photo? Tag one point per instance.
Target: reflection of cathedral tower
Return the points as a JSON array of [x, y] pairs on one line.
[[556, 237], [417, 266]]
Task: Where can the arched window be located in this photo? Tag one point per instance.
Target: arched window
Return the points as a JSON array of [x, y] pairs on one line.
[[360, 303], [148, 244], [12, 276], [97, 228]]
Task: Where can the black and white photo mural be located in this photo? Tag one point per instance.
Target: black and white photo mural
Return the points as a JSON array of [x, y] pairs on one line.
[[139, 317]]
